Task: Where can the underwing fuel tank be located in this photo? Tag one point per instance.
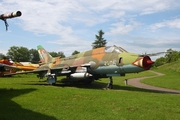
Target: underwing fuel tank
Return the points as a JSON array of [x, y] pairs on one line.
[[80, 75]]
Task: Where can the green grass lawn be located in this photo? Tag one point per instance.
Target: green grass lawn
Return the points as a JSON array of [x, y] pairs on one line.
[[171, 79], [24, 97]]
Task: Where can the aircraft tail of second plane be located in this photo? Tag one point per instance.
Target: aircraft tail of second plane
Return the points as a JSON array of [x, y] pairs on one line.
[[44, 56]]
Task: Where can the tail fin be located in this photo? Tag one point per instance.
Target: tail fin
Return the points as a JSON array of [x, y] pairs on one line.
[[44, 56]]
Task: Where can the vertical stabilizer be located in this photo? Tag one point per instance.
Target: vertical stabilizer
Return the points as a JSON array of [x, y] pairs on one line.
[[44, 56]]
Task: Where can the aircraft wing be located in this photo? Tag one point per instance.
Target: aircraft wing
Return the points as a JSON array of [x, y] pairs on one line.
[[8, 67], [61, 70], [43, 69], [26, 72]]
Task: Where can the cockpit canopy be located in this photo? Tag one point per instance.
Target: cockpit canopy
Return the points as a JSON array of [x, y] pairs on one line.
[[114, 49]]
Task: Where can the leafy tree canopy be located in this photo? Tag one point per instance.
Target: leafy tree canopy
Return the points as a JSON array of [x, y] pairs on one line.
[[170, 56], [1, 56], [57, 54], [34, 56], [19, 54], [75, 52], [23, 54]]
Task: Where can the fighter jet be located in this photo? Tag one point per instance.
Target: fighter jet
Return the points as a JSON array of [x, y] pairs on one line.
[[9, 67], [91, 65]]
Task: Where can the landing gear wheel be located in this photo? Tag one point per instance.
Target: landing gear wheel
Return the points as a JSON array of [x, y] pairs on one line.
[[110, 84], [51, 79]]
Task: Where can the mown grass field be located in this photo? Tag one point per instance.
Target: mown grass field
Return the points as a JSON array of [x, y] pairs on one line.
[[24, 97], [171, 79]]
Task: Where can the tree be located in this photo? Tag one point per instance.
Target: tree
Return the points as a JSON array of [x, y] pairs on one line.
[[1, 56], [160, 61], [57, 54], [100, 41], [61, 54], [75, 52], [34, 56], [19, 54], [172, 55], [53, 54]]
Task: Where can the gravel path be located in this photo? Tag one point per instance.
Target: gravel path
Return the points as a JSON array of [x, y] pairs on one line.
[[136, 83]]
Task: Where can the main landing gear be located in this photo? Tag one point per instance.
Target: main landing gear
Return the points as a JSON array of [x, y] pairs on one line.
[[51, 79], [110, 84]]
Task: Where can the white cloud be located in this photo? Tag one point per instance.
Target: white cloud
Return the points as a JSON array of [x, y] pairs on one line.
[[49, 16], [70, 43], [114, 14], [122, 29], [168, 23], [153, 6], [142, 6], [68, 20]]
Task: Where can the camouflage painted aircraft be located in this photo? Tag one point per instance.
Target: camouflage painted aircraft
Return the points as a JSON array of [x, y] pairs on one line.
[[5, 66], [8, 16], [9, 67], [26, 67], [91, 65]]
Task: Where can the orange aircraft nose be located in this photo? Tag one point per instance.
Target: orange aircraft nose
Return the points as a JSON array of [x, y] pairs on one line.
[[144, 62]]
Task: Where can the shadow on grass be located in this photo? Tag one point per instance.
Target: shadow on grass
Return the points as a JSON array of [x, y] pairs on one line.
[[100, 86], [10, 110]]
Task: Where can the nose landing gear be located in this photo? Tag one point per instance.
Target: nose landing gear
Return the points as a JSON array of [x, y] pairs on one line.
[[110, 84]]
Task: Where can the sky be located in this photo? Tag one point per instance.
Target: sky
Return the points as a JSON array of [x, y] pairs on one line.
[[138, 26]]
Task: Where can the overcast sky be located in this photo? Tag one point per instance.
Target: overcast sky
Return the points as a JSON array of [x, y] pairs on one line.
[[139, 26]]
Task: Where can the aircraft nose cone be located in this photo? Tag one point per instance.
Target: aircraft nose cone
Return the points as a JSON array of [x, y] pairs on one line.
[[147, 62], [144, 62], [150, 62]]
